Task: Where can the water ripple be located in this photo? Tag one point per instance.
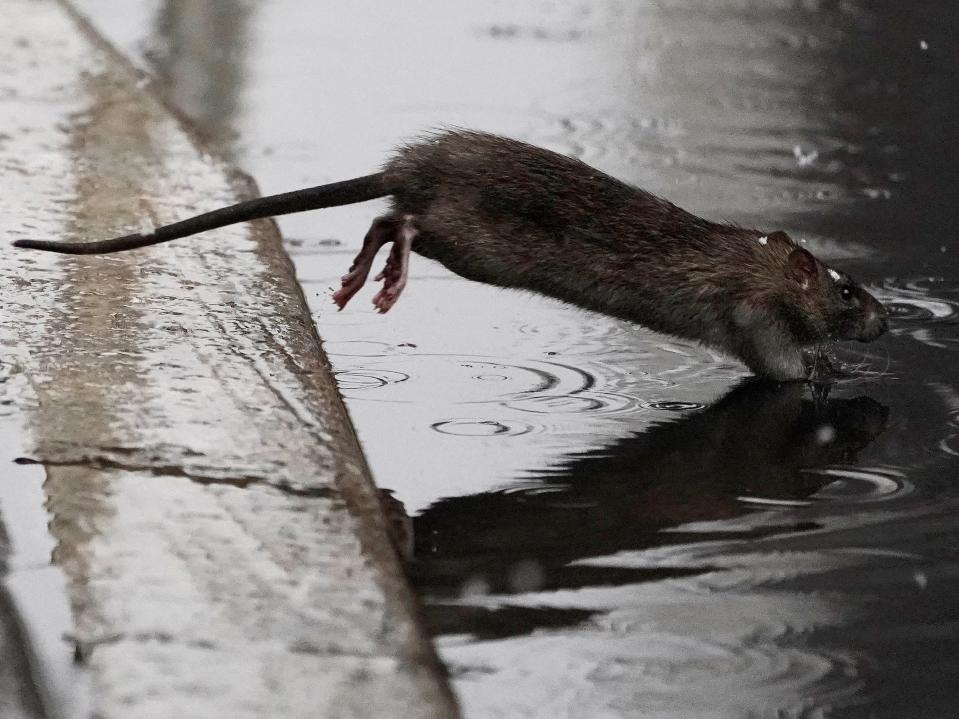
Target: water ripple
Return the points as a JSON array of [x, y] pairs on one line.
[[582, 403], [359, 379], [481, 428], [673, 405], [913, 301], [470, 380], [862, 484]]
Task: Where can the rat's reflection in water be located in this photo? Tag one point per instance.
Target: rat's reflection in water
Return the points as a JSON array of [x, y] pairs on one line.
[[757, 441]]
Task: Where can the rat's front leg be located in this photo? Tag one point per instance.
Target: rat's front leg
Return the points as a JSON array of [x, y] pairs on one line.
[[770, 354]]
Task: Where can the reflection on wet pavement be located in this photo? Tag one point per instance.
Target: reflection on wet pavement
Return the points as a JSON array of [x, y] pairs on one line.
[[760, 445], [618, 544], [608, 522]]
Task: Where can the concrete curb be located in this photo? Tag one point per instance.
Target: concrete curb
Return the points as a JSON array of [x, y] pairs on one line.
[[220, 541]]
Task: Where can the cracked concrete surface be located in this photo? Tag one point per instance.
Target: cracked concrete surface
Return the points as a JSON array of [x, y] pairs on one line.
[[220, 541]]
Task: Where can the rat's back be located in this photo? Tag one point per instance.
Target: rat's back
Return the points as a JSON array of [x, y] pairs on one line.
[[507, 213], [508, 179]]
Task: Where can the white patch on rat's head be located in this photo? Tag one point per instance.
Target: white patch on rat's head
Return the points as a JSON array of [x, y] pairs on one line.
[[763, 240], [835, 275], [803, 158]]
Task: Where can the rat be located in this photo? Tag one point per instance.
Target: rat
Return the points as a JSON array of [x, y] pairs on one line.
[[510, 214]]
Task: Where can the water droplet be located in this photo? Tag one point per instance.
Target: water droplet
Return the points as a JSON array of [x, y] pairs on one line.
[[475, 586], [825, 434]]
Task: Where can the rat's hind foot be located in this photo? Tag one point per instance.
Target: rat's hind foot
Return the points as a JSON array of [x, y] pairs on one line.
[[383, 230], [397, 267]]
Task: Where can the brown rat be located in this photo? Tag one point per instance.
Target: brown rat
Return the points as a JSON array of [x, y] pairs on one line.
[[503, 212]]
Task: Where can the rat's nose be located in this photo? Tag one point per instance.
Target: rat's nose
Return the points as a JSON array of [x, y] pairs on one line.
[[876, 321], [883, 318]]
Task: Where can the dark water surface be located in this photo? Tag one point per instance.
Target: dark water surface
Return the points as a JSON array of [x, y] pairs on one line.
[[608, 522]]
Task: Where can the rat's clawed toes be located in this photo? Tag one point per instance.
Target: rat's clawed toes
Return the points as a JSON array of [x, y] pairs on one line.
[[351, 284], [341, 298], [393, 274], [386, 297]]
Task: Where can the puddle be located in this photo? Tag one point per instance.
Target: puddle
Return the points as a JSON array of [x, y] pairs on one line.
[[606, 521]]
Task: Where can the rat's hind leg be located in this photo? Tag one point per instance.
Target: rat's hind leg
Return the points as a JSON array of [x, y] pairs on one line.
[[397, 266], [383, 230]]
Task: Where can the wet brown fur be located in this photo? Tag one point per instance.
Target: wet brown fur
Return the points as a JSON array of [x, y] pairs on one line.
[[514, 215]]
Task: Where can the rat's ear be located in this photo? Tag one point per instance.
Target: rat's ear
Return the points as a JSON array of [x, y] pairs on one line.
[[802, 267], [781, 236]]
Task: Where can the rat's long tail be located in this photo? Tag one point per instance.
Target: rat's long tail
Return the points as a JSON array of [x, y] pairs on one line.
[[347, 192]]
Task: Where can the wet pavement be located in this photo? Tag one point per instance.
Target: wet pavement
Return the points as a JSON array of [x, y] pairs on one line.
[[188, 524], [608, 522]]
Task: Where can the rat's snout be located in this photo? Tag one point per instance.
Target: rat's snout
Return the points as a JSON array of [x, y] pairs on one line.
[[883, 318], [875, 321]]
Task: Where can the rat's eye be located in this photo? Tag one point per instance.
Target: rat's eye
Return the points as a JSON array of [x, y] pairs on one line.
[[846, 294]]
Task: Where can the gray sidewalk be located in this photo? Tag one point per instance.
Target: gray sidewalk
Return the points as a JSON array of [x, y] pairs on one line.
[[215, 534]]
